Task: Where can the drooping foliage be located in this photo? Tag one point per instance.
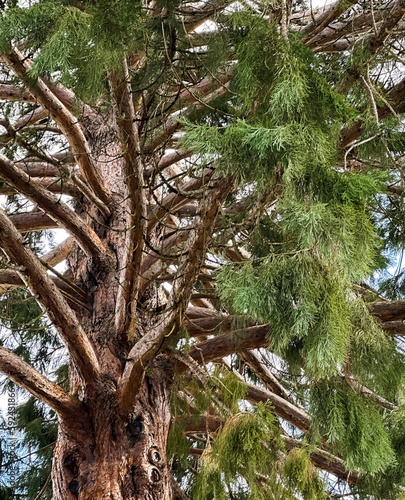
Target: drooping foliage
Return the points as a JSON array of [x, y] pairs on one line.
[[301, 111]]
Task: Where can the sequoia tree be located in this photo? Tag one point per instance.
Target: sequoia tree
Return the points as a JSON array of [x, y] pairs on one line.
[[230, 179]]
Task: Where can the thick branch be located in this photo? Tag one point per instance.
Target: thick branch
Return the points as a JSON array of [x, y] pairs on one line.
[[60, 252], [51, 298], [374, 43], [284, 409], [10, 92], [326, 18], [393, 310], [201, 321], [39, 386], [198, 16], [39, 169], [135, 202], [66, 121], [231, 343], [52, 205], [325, 461], [33, 221], [146, 348], [31, 117]]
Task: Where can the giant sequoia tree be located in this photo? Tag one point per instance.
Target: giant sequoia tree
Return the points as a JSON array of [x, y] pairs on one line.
[[230, 179]]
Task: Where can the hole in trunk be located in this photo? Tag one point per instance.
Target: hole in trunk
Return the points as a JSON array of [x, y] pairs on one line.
[[71, 464], [134, 429], [74, 486], [154, 456], [154, 475]]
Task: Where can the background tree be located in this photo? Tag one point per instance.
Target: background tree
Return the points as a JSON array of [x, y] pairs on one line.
[[230, 177]]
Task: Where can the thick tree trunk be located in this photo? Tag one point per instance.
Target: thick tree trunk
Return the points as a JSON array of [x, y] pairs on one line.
[[122, 456], [119, 458]]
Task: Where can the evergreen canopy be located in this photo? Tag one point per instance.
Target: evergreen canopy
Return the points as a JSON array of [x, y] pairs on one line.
[[230, 178]]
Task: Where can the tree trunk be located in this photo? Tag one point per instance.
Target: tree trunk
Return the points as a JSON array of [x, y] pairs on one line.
[[119, 458]]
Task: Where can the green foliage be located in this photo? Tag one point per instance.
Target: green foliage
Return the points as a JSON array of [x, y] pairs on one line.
[[278, 130], [370, 348], [352, 425], [302, 299], [390, 485], [26, 330], [246, 447], [301, 476], [229, 389], [80, 43], [39, 428]]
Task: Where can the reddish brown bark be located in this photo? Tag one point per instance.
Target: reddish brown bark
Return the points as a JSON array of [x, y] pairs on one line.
[[121, 457]]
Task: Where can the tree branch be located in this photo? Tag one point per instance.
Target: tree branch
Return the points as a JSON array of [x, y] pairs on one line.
[[147, 347], [51, 298], [9, 92], [393, 310], [326, 18], [284, 409], [325, 461], [319, 457], [66, 121], [265, 375], [27, 377], [395, 96], [33, 221], [231, 343], [52, 204], [135, 202], [374, 43]]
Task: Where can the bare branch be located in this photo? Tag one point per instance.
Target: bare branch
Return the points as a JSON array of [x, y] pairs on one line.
[[60, 252], [10, 92], [135, 202], [197, 17], [231, 343], [51, 298], [284, 409], [171, 124], [67, 122], [50, 203], [264, 374], [38, 385], [33, 221], [39, 169], [31, 117], [326, 18], [393, 310], [372, 396], [174, 201]]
